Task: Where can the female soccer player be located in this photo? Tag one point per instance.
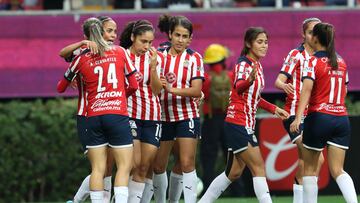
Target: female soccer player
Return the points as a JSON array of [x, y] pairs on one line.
[[245, 98], [69, 53], [143, 105], [289, 80], [183, 80], [107, 117], [327, 124]]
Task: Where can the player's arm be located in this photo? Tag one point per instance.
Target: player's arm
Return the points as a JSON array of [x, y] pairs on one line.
[[67, 51], [155, 82], [132, 84], [281, 84], [308, 84], [193, 91], [273, 109], [69, 75], [244, 83]]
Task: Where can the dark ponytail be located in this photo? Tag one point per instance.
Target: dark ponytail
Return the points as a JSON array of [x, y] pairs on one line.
[[325, 33], [168, 23], [136, 28], [250, 36]]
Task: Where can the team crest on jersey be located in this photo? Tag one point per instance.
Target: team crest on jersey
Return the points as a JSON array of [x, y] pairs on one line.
[[186, 63], [139, 76], [170, 77], [88, 54], [291, 61]]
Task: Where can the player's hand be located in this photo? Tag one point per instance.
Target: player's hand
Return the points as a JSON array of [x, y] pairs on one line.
[[153, 58], [91, 45], [295, 126], [281, 113], [288, 88], [199, 100], [253, 74], [73, 84], [163, 81]]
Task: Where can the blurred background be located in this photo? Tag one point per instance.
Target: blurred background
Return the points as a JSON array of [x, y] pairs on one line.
[[40, 155]]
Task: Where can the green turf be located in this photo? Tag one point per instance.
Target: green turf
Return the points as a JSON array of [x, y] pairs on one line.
[[321, 199]]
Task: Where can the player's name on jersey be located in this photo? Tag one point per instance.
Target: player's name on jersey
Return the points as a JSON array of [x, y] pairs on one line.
[[105, 60]]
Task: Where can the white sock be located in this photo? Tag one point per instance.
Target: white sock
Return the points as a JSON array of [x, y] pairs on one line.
[[261, 190], [121, 194], [135, 191], [83, 191], [107, 189], [97, 196], [175, 187], [160, 184], [148, 191], [347, 188], [217, 186], [310, 189], [189, 186], [298, 193]]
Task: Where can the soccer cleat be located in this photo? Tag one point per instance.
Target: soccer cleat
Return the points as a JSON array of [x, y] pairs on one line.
[[69, 201]]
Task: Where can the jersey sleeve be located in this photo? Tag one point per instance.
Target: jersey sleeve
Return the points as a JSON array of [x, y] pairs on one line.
[[241, 71], [309, 69], [197, 67], [73, 69], [290, 63], [129, 67], [160, 64]]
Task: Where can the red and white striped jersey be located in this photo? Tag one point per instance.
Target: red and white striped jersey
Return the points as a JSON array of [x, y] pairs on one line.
[[242, 108], [143, 104], [82, 100], [179, 71], [329, 89], [104, 77], [293, 67]]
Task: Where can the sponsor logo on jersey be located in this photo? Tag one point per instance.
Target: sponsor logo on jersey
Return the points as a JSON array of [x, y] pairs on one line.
[[102, 95], [331, 108]]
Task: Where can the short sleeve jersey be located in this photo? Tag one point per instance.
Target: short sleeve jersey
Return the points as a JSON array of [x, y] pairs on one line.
[[179, 71], [329, 89], [104, 78], [242, 108], [143, 104]]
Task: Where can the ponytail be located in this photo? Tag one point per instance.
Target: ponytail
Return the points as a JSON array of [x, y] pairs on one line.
[[134, 28], [330, 48], [93, 30], [125, 37]]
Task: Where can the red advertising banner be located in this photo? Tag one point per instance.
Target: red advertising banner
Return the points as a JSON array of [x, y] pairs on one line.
[[281, 156]]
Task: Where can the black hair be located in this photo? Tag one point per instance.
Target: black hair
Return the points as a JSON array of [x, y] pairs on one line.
[[168, 23], [134, 28], [250, 36], [325, 33]]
